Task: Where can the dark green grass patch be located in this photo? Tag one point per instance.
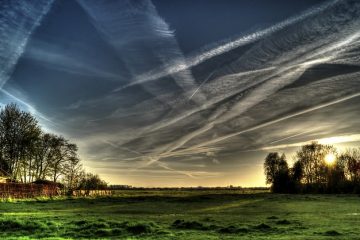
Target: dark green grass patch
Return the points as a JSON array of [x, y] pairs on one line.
[[283, 222], [262, 226], [193, 225], [27, 227], [101, 228], [233, 230], [332, 233], [183, 215]]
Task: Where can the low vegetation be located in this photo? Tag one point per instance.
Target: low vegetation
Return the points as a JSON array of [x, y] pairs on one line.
[[317, 169], [208, 214], [28, 154]]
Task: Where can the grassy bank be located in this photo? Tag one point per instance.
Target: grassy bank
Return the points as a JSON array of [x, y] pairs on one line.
[[184, 215]]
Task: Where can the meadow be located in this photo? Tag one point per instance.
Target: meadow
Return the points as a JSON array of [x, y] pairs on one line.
[[169, 214]]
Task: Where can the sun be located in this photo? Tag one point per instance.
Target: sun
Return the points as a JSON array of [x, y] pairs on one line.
[[330, 158]]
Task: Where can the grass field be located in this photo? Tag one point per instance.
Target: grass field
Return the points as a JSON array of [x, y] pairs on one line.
[[214, 214]]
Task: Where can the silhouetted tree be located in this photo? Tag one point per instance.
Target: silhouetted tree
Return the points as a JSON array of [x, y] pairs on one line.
[[74, 174], [45, 153], [27, 154], [312, 158], [335, 177], [92, 182], [277, 172], [65, 153], [19, 132], [351, 167], [296, 176], [297, 172], [351, 159], [312, 174]]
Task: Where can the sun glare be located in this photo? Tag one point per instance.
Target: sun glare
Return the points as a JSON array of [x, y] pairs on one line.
[[330, 158]]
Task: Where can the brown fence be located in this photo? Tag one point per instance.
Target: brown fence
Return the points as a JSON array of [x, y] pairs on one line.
[[30, 190], [81, 193]]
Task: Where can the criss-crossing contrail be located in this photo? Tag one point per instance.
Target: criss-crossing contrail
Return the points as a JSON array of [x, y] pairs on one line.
[[141, 38], [228, 136], [18, 20], [223, 48], [28, 106], [329, 45], [245, 90]]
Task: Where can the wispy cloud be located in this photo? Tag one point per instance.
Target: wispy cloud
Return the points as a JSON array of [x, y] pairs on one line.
[[222, 48], [142, 39], [273, 81], [10, 97], [17, 23], [290, 67], [184, 116], [328, 140], [72, 60]]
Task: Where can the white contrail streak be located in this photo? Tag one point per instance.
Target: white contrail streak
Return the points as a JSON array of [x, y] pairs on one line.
[[194, 149], [286, 74], [141, 38], [176, 150], [121, 147], [244, 40], [18, 20], [329, 140], [223, 138], [30, 108], [292, 136]]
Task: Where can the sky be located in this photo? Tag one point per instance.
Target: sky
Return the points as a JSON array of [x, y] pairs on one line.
[[185, 93]]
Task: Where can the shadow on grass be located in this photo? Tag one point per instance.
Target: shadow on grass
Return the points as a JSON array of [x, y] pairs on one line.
[[94, 229], [30, 227]]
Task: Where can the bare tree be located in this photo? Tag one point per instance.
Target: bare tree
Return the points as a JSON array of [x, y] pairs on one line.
[[276, 172], [351, 162], [19, 131], [312, 158], [74, 174]]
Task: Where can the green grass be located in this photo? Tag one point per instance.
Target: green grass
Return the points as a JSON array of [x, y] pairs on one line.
[[225, 214]]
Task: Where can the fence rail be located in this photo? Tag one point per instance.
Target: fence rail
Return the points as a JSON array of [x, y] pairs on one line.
[[82, 193], [29, 190]]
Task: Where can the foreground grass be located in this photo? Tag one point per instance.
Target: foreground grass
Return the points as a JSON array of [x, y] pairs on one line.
[[184, 215]]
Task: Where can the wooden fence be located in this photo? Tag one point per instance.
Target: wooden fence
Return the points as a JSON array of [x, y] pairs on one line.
[[93, 193], [30, 190]]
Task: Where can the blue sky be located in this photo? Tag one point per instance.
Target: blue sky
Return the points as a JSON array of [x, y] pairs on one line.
[[184, 93]]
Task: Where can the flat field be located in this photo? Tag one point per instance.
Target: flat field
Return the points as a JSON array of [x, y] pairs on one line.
[[202, 214]]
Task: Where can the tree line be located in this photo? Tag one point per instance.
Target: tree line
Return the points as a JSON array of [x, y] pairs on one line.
[[317, 168], [28, 154]]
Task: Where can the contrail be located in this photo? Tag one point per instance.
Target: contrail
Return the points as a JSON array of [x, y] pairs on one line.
[[194, 148], [281, 78], [236, 75], [30, 108], [197, 89], [163, 165], [121, 147], [241, 86], [241, 41], [172, 150], [55, 57], [329, 140], [18, 20], [251, 100], [292, 136], [278, 120], [141, 38]]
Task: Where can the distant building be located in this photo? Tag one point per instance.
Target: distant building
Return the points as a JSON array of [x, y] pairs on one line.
[[4, 176]]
